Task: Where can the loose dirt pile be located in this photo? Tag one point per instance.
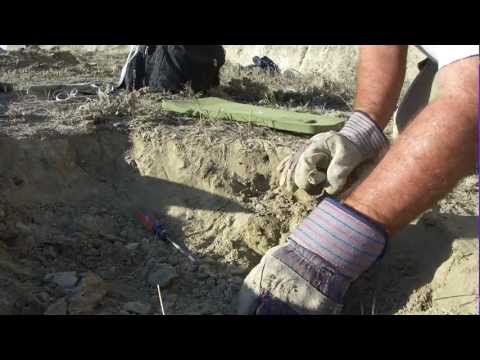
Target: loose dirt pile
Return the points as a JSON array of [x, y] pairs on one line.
[[73, 173]]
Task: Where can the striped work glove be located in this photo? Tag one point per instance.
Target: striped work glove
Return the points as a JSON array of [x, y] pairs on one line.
[[331, 248], [328, 159]]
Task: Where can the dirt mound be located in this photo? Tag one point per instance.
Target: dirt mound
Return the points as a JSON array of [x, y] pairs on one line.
[[36, 59], [68, 205]]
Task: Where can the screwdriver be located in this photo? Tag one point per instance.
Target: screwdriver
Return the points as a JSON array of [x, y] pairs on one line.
[[155, 227]]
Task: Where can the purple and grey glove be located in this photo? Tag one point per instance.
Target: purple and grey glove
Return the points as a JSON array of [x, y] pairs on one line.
[[329, 250], [329, 158]]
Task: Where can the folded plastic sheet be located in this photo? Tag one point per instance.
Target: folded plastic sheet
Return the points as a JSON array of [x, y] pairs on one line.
[[220, 109]]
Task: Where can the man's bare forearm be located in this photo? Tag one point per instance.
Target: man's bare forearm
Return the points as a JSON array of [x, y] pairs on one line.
[[435, 151], [380, 76]]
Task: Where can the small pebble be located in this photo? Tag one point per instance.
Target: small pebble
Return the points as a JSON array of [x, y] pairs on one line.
[[132, 246], [57, 308], [162, 275], [66, 279], [43, 297], [23, 228], [259, 208], [137, 307]]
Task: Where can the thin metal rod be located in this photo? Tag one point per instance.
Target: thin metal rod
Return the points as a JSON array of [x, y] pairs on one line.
[[160, 298]]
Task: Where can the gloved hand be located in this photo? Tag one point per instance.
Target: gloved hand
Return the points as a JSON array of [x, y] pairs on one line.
[[331, 248], [329, 158]]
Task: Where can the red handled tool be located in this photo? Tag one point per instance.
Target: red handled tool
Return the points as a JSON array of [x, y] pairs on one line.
[[155, 227]]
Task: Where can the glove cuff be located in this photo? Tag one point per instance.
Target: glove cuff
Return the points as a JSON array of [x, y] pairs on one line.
[[344, 238], [361, 130]]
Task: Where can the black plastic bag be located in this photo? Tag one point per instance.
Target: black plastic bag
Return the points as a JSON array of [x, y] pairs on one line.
[[172, 67]]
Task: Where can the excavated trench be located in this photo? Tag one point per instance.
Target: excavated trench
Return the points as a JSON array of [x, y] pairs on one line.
[[71, 241]]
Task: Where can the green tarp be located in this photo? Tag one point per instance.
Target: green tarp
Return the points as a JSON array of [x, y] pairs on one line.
[[302, 123]]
